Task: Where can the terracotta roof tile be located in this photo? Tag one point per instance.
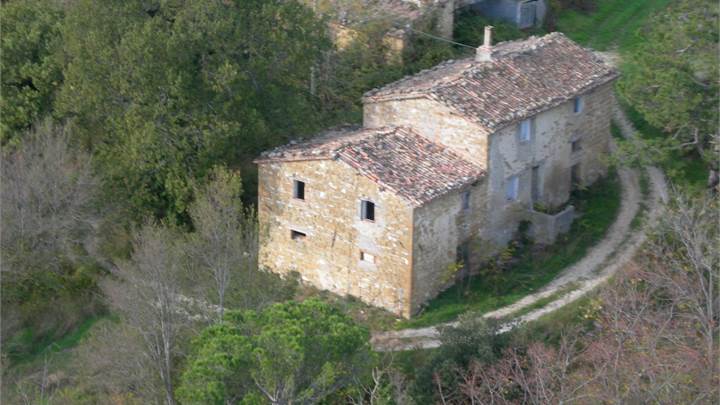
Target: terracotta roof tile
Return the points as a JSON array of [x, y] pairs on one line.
[[397, 158], [522, 79]]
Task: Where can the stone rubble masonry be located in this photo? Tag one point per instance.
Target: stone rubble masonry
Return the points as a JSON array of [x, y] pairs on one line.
[[434, 121], [329, 256], [550, 150]]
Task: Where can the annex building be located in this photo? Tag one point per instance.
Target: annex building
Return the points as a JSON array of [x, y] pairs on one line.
[[446, 166]]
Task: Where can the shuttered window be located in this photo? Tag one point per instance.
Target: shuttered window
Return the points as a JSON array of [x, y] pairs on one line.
[[512, 188], [578, 105], [525, 130], [367, 210], [299, 189]]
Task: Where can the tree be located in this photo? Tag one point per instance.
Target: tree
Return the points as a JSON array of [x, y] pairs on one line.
[[224, 245], [49, 219], [671, 78], [686, 266], [148, 294], [31, 68], [48, 202], [288, 353], [164, 91], [110, 363], [537, 374]]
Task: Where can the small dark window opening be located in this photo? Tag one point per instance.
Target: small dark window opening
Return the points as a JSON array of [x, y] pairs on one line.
[[297, 235], [575, 145], [367, 257], [577, 105], [367, 210], [466, 200], [299, 189]]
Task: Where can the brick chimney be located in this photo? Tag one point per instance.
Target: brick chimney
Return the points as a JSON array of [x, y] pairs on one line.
[[484, 52]]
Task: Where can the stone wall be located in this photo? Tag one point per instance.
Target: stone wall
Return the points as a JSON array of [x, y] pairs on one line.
[[329, 256], [441, 226], [546, 227], [550, 150], [434, 121]]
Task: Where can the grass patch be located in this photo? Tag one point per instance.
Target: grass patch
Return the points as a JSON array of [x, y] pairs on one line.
[[614, 23], [48, 346], [544, 301], [533, 267], [616, 131]]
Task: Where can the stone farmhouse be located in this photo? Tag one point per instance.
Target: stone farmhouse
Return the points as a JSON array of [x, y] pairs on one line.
[[446, 166], [346, 17]]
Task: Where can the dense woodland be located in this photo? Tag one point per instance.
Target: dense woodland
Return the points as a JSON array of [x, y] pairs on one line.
[[129, 235]]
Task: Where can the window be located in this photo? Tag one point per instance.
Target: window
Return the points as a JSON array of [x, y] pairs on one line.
[[575, 145], [525, 130], [578, 105], [466, 200], [367, 257], [367, 210], [297, 235], [511, 188], [299, 189]]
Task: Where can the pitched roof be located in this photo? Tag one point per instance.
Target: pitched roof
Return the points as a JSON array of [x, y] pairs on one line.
[[523, 78], [397, 158], [397, 12]]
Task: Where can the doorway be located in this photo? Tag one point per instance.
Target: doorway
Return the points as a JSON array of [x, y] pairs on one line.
[[536, 191]]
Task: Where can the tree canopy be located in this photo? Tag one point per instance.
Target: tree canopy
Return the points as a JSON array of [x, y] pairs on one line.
[[31, 69], [672, 76], [165, 90], [288, 353]]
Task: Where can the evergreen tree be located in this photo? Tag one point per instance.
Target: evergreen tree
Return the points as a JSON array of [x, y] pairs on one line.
[[31, 70]]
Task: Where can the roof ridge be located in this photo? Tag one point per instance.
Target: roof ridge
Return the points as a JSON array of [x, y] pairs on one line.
[[523, 78], [391, 174]]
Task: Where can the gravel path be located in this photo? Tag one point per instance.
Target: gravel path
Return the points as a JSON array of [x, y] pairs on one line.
[[617, 247]]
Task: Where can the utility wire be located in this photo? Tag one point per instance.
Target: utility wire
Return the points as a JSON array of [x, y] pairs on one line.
[[438, 38]]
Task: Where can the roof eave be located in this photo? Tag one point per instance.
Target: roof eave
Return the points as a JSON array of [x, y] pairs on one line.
[[261, 160]]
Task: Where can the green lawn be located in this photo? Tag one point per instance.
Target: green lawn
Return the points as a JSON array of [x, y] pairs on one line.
[[533, 268], [48, 346], [614, 23]]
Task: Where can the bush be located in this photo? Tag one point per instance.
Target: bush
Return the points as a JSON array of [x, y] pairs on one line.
[[289, 352]]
